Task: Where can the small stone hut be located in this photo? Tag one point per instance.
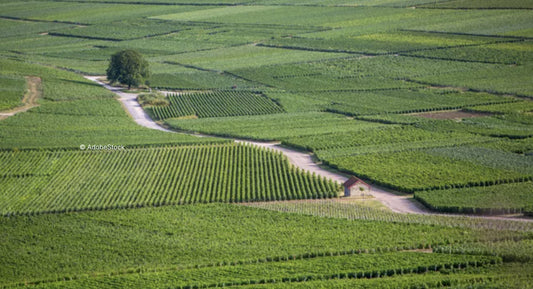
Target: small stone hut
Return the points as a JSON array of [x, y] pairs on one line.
[[356, 187]]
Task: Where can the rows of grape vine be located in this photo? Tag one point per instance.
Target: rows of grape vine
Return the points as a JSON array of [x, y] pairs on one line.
[[61, 181], [215, 104]]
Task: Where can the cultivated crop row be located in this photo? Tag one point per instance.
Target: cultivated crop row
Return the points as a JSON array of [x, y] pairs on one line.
[[69, 124], [489, 126], [361, 210], [216, 104], [404, 100], [12, 91], [390, 135], [510, 251], [275, 126], [398, 147], [230, 234], [380, 43], [411, 171], [513, 107], [363, 266], [492, 158], [96, 180], [496, 199], [498, 53]]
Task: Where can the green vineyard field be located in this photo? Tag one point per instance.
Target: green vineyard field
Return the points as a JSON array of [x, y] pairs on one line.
[[102, 243], [366, 210], [11, 91], [273, 126], [59, 181], [510, 251], [364, 266], [215, 104], [394, 135], [496, 199], [418, 170]]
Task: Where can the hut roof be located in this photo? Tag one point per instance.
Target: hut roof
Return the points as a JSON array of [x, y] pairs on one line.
[[352, 181]]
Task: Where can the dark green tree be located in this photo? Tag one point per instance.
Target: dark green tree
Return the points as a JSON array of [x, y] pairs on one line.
[[128, 67]]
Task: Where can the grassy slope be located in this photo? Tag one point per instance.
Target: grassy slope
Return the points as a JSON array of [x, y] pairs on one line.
[[11, 91], [36, 248], [75, 111]]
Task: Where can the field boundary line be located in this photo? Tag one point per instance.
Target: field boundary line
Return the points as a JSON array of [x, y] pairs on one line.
[[151, 3], [6, 17], [452, 59], [489, 91], [216, 71], [467, 34], [474, 8], [401, 52], [57, 34]]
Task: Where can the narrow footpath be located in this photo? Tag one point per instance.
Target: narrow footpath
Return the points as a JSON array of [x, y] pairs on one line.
[[34, 92]]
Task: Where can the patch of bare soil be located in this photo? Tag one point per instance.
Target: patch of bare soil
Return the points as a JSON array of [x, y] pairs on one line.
[[34, 90], [455, 114], [30, 98]]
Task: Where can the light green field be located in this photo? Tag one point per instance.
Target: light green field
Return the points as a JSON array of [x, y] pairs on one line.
[[246, 56]]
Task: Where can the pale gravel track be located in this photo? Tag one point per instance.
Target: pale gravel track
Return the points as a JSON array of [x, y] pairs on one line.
[[396, 202], [132, 106]]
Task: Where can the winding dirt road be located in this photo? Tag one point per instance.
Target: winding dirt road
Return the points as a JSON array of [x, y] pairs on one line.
[[397, 202], [129, 101]]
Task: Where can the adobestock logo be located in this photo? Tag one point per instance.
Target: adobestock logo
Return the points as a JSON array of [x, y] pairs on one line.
[[108, 147]]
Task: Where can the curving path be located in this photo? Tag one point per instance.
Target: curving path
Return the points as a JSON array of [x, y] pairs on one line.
[[395, 201], [129, 101], [33, 93]]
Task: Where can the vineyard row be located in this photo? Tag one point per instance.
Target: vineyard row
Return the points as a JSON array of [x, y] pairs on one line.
[[216, 104], [96, 180]]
